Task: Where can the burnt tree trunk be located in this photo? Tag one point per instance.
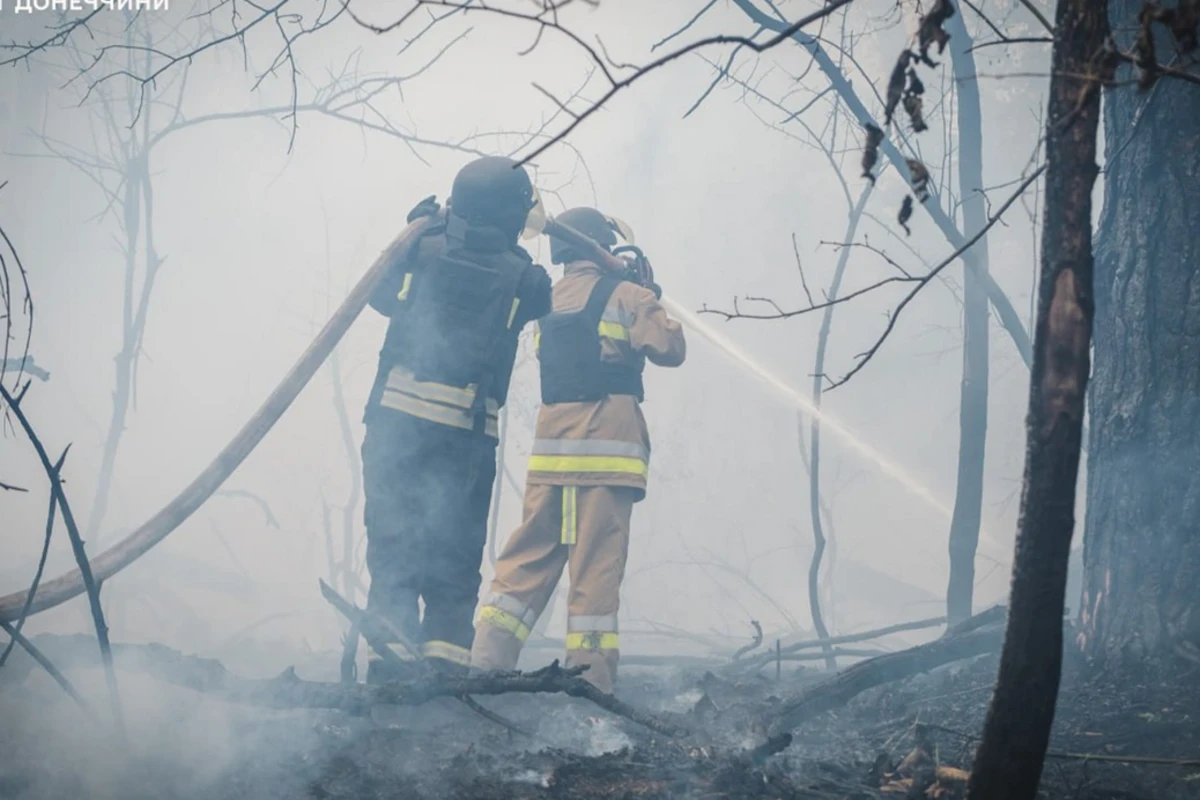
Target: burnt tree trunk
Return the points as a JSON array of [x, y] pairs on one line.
[[1141, 554], [1008, 765], [973, 392]]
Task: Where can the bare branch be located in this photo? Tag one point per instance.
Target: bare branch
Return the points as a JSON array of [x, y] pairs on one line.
[[920, 281], [81, 558]]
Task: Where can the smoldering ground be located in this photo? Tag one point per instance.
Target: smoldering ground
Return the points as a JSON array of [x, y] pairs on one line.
[[1128, 738]]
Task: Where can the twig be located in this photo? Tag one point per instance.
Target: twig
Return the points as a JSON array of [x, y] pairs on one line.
[[921, 282], [1040, 16], [615, 84], [37, 575], [46, 664], [93, 591], [252, 497], [754, 645], [864, 636]]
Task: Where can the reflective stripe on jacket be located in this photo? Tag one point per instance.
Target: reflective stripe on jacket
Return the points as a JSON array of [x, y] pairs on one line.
[[605, 442], [436, 402]]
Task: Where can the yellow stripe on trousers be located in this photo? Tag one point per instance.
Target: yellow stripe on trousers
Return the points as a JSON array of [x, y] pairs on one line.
[[570, 515], [592, 640]]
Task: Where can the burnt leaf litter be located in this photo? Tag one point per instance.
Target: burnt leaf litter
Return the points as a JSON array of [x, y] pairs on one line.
[[1126, 736]]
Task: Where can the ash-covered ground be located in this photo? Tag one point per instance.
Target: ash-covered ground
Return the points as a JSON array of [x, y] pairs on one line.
[[899, 740]]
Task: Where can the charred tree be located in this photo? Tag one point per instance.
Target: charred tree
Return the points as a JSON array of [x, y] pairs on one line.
[[1008, 765], [973, 391], [1141, 595]]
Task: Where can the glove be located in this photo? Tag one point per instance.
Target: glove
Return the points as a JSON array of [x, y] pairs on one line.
[[654, 287], [426, 208]]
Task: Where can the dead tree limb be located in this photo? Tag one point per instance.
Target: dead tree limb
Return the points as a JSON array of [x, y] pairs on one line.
[[1016, 733], [172, 515], [85, 569], [287, 691], [378, 633], [978, 635], [848, 638], [41, 567], [46, 664]]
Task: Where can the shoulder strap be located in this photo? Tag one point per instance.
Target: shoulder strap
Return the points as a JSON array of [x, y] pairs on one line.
[[597, 301]]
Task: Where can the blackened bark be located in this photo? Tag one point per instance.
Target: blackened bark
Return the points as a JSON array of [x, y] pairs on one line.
[[1009, 762], [973, 392], [1141, 555]]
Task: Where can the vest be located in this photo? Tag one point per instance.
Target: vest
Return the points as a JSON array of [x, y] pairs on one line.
[[455, 329], [569, 354]]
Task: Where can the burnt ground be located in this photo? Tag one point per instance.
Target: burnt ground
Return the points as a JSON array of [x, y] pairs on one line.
[[187, 746]]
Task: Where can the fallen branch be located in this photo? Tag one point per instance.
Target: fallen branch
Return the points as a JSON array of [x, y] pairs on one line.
[[287, 691], [172, 515], [980, 634], [378, 632], [847, 638], [89, 582]]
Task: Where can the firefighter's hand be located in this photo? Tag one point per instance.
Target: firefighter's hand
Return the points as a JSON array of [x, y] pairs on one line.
[[426, 208]]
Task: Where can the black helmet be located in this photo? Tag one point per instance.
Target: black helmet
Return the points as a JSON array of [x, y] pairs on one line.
[[495, 191], [588, 221]]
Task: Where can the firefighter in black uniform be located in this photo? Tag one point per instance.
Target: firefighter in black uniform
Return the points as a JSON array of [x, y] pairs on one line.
[[456, 306]]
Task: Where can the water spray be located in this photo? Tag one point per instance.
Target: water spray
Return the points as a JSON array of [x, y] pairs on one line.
[[541, 223]]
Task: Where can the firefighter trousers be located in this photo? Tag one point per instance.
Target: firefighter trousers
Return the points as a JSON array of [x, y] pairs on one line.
[[428, 489], [585, 528]]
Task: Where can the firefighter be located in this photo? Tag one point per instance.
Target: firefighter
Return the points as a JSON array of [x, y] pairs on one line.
[[456, 303], [590, 458]]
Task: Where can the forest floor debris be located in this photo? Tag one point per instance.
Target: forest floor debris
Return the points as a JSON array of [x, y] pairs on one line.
[[910, 738]]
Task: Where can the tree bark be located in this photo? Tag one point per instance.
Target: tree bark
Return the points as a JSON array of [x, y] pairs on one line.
[[1141, 593], [1008, 765], [973, 391]]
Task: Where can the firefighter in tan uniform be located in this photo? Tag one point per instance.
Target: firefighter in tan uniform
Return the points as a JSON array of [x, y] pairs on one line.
[[589, 462]]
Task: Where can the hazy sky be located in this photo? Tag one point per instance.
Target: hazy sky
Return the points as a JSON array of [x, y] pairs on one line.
[[715, 198]]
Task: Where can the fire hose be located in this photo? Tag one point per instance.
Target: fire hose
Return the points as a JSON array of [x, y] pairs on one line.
[[119, 556]]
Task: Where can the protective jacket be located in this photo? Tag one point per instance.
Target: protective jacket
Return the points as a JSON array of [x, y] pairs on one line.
[[590, 429], [457, 307], [588, 467]]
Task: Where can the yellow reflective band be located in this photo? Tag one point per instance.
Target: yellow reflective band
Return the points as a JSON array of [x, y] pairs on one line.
[[499, 618], [610, 464], [403, 295], [570, 523], [512, 314], [592, 640], [399, 650], [446, 651], [613, 330]]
